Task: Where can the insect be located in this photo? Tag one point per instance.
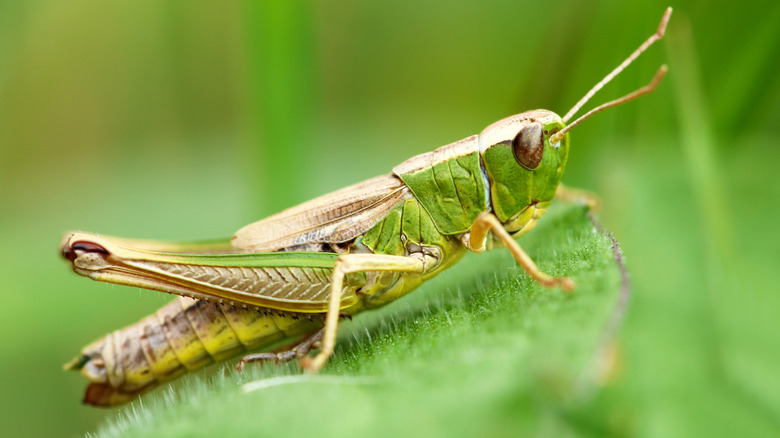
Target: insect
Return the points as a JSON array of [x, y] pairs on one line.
[[291, 276]]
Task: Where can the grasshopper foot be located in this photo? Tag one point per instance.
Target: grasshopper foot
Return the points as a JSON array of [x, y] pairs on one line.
[[566, 283]]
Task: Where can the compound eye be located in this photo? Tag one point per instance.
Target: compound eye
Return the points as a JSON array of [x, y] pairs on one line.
[[528, 146]]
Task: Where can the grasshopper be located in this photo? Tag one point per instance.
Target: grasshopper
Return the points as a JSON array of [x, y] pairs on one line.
[[292, 275]]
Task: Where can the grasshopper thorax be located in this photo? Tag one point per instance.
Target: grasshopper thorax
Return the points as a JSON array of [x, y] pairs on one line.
[[523, 166]]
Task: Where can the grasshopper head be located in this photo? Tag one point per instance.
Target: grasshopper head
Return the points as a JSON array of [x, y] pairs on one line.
[[523, 166], [525, 154]]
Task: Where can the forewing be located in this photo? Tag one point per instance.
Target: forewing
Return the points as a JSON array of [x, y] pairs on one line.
[[333, 218]]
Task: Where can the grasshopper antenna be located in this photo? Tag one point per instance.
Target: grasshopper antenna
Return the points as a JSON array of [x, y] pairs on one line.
[[558, 136], [659, 33]]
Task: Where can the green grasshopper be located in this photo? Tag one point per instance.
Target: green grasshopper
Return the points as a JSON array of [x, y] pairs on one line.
[[291, 276]]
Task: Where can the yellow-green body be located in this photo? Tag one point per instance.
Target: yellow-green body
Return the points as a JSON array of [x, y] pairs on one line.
[[273, 285]]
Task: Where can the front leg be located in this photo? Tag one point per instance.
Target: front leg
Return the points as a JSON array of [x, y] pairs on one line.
[[346, 264], [488, 222]]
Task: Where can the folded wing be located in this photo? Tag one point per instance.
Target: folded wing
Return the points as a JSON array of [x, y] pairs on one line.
[[333, 218]]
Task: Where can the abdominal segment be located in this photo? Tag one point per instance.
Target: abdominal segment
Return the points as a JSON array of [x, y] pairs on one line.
[[184, 335]]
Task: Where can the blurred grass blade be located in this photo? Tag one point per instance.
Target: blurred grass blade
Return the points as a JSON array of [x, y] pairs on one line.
[[281, 72]]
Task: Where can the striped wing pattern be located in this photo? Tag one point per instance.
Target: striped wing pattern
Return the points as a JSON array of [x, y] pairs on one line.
[[309, 284]]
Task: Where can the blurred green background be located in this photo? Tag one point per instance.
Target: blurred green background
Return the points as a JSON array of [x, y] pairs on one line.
[[188, 120]]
